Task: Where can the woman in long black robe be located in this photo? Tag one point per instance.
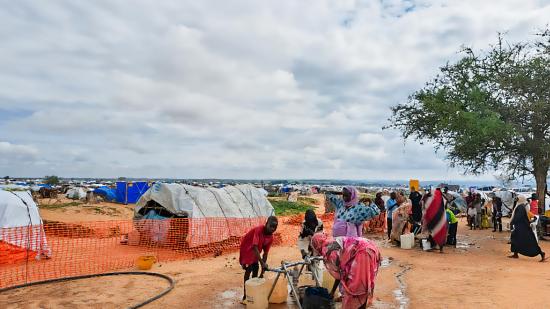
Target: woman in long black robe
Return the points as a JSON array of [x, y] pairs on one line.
[[523, 238]]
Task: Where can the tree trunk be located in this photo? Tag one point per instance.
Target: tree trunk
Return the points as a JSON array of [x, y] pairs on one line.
[[541, 172]]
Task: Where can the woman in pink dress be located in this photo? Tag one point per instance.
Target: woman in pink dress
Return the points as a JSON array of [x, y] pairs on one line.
[[354, 263]]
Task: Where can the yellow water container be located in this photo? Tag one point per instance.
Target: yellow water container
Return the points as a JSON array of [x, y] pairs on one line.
[[145, 262], [306, 280], [256, 293], [280, 292], [328, 280]]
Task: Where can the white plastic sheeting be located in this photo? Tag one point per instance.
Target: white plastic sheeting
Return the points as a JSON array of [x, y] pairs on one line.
[[241, 201], [20, 222], [76, 193], [219, 207]]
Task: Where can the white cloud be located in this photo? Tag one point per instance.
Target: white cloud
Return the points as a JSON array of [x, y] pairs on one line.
[[240, 89]]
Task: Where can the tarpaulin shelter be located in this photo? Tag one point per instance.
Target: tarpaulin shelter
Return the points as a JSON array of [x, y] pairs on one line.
[[130, 192], [107, 193], [76, 193], [21, 233], [215, 214]]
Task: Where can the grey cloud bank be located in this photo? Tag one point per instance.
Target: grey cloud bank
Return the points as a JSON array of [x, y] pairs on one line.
[[239, 89]]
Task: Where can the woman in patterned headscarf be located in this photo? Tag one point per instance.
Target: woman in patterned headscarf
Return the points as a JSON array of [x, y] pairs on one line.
[[354, 263], [350, 214]]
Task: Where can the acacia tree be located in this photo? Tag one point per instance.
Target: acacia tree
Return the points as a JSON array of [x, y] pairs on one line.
[[51, 180], [488, 111]]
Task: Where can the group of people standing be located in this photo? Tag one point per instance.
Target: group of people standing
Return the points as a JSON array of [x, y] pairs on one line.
[[354, 261]]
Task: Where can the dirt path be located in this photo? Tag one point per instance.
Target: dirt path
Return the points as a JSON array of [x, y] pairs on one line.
[[477, 274]]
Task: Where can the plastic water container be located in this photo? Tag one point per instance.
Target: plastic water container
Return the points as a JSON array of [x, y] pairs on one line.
[[328, 280], [145, 262], [256, 293], [306, 279], [426, 245], [280, 292], [407, 241]]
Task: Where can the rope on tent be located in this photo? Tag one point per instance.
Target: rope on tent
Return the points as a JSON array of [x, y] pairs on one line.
[[196, 203], [251, 202], [220, 206], [231, 197], [64, 279]]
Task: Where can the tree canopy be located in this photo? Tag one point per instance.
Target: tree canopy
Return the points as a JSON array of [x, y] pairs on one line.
[[51, 180], [488, 111]]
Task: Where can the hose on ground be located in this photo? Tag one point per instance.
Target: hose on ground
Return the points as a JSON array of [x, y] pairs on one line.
[[166, 291]]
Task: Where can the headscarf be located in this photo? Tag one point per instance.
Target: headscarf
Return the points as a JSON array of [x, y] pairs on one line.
[[522, 200], [354, 196], [319, 242], [310, 223], [378, 201], [311, 218]]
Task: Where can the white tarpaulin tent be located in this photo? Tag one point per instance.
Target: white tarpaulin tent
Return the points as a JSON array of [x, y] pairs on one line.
[[76, 193], [20, 222], [221, 206]]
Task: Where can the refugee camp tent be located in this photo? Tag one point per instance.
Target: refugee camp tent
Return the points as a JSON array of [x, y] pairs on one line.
[[76, 193], [508, 198], [459, 201], [216, 213], [21, 233], [106, 193], [130, 192]]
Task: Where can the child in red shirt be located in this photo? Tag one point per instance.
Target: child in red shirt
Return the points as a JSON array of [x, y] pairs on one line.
[[253, 243]]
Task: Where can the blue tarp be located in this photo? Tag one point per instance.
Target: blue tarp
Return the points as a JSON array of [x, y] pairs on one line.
[[44, 185], [130, 192], [107, 193]]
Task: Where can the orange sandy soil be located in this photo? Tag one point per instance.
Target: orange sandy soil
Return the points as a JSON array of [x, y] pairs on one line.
[[103, 211], [477, 274]]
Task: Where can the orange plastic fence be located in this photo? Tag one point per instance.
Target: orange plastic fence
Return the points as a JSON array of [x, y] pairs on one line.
[[57, 249], [70, 249]]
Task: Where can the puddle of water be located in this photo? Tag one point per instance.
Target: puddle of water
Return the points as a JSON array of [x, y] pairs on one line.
[[228, 294], [400, 294], [464, 245], [386, 262]]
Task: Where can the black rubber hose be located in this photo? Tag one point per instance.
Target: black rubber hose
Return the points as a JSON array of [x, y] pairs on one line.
[[166, 291]]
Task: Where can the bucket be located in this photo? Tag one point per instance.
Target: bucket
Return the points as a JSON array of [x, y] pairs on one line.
[[280, 292], [426, 245], [407, 241], [256, 293], [315, 298], [145, 262]]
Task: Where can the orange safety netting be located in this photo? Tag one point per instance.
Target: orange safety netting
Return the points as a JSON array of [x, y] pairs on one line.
[[80, 248], [101, 246]]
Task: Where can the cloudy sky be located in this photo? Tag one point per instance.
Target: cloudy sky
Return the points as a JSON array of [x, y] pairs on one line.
[[230, 89]]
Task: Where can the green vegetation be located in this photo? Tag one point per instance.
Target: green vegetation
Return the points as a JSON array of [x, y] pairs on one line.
[[51, 180], [60, 205], [307, 200], [286, 208], [488, 111]]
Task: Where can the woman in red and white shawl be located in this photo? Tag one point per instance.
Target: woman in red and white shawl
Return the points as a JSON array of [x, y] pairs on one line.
[[434, 218], [354, 263]]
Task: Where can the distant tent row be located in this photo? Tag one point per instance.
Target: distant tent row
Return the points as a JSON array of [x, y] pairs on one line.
[[226, 207], [124, 193]]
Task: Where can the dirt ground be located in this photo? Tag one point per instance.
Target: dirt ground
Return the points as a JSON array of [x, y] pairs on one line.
[[475, 274], [84, 212]]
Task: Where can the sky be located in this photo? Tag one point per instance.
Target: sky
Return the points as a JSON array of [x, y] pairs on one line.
[[231, 89]]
